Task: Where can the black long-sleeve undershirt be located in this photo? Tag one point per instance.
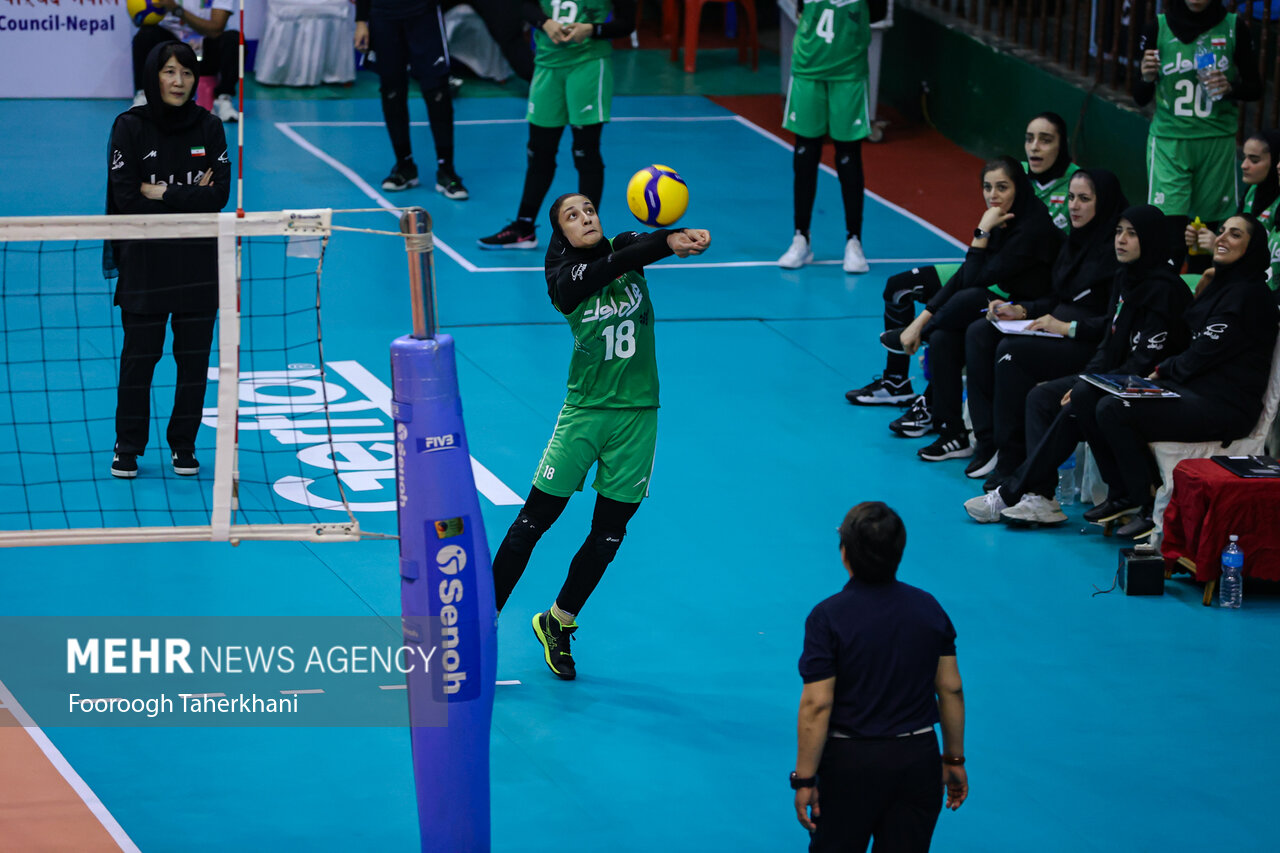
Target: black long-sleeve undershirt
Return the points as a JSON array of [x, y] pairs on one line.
[[1246, 87], [570, 283]]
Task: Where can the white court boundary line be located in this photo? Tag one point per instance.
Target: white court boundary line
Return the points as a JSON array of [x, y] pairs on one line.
[[64, 768], [287, 128]]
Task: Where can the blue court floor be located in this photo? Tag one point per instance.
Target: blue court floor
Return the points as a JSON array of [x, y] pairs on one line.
[[1094, 723]]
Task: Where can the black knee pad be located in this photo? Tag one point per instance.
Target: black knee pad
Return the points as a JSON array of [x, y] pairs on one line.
[[524, 532], [438, 93], [543, 145], [605, 545], [901, 288]]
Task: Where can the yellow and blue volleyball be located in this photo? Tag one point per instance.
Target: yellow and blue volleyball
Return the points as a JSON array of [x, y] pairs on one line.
[[657, 195], [144, 12]]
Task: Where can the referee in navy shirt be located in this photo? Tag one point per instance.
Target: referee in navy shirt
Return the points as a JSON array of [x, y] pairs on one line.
[[879, 669]]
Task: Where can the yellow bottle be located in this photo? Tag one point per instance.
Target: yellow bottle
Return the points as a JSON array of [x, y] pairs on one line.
[[1194, 248]]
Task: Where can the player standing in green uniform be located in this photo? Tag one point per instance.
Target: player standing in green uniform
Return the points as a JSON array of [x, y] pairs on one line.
[[610, 414], [572, 85], [1049, 165], [1197, 63], [828, 96]]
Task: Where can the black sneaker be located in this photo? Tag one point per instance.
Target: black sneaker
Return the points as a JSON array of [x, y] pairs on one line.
[[554, 638], [403, 176], [982, 463], [882, 391], [1138, 527], [892, 341], [1110, 510], [448, 182], [517, 235], [955, 446], [124, 466], [916, 422], [184, 463]]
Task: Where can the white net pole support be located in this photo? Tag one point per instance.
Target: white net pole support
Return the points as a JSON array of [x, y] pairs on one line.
[[415, 224], [335, 532], [228, 378]]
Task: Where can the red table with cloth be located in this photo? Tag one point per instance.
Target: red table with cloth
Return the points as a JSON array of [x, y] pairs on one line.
[[1209, 503]]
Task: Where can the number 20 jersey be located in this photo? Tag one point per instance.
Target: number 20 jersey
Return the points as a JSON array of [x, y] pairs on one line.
[[831, 40], [1183, 108]]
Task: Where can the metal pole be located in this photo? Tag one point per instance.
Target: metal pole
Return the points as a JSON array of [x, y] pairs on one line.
[[415, 224]]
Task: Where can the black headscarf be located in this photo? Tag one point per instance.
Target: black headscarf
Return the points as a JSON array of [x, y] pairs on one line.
[[168, 119], [1252, 265], [1087, 260], [1187, 25], [1031, 224], [561, 253], [1149, 224], [1059, 167], [1269, 190]]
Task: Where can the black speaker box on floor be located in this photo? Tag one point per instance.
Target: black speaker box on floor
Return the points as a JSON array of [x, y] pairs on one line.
[[1141, 572]]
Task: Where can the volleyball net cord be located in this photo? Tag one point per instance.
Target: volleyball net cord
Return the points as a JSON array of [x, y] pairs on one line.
[[280, 468]]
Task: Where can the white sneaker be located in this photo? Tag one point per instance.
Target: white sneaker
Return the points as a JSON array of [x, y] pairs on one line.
[[224, 109], [798, 255], [1034, 509], [854, 260], [139, 98], [986, 508]]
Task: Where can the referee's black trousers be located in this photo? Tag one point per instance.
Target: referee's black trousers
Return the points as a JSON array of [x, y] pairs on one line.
[[143, 347], [889, 789]]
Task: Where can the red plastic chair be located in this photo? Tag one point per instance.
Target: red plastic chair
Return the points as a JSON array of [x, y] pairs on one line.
[[692, 15]]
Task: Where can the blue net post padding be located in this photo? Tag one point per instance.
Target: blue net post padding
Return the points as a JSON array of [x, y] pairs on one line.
[[446, 598]]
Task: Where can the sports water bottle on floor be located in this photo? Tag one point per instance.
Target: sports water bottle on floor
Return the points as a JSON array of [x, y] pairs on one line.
[[1231, 585], [1066, 493]]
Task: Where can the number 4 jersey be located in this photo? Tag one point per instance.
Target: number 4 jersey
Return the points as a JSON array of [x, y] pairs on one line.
[[831, 40], [614, 365], [1184, 109]]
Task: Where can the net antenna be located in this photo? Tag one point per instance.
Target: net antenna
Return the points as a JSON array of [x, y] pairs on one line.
[[60, 343]]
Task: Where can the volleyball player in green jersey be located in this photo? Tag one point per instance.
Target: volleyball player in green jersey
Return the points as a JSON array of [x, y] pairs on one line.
[[1049, 165], [1197, 63], [828, 96], [610, 413], [1258, 171], [572, 85]]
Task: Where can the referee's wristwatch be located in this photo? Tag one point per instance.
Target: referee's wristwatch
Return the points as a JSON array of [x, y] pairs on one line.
[[798, 782]]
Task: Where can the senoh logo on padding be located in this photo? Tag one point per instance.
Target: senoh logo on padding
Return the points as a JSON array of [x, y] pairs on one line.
[[455, 592]]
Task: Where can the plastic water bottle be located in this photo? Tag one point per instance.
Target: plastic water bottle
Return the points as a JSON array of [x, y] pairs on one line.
[[1066, 493], [1231, 585], [1206, 64]]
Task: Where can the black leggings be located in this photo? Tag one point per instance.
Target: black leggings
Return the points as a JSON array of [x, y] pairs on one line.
[[901, 292], [1002, 369], [805, 163], [143, 347], [945, 334], [544, 142], [415, 43], [540, 511], [1052, 434]]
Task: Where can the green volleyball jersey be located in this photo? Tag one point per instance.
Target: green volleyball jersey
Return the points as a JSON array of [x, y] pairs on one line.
[[1266, 217], [1183, 107], [614, 365], [551, 55], [1054, 195], [831, 40]]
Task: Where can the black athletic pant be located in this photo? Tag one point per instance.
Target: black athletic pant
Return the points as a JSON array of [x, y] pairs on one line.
[[540, 511], [1052, 436], [945, 334], [143, 347], [805, 162], [221, 56], [503, 20], [889, 789], [540, 168], [901, 292], [1001, 371], [416, 43], [1126, 426]]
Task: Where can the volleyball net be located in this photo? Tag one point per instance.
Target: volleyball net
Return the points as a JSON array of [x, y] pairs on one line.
[[270, 467]]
